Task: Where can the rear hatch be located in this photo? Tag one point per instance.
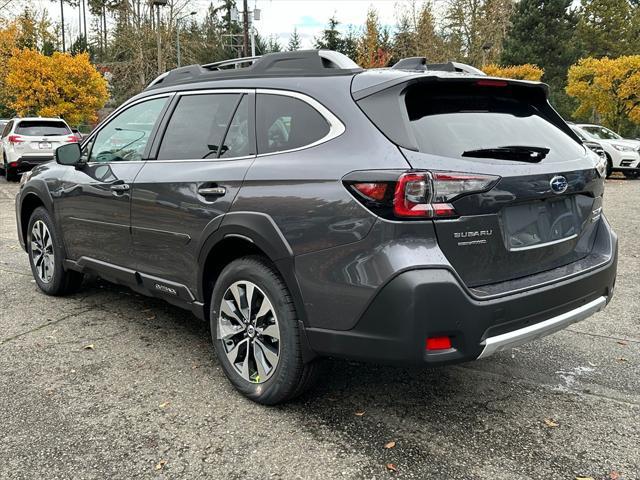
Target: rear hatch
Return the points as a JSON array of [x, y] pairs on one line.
[[539, 200], [40, 138]]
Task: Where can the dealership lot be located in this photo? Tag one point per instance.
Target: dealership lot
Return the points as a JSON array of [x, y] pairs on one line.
[[107, 383]]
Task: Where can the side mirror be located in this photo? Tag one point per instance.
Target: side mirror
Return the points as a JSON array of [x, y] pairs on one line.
[[68, 154]]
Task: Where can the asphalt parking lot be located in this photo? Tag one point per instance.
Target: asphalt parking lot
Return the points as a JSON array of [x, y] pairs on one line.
[[110, 384]]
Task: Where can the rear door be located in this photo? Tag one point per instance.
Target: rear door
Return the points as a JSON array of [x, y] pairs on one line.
[[541, 213], [202, 156]]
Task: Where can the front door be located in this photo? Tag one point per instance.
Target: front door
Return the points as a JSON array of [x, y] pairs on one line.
[[95, 206], [178, 198]]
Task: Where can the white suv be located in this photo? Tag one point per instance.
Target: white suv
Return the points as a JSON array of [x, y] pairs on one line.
[[27, 142], [622, 155]]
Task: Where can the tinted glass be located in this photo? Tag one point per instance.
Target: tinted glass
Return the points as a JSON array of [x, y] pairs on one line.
[[450, 119], [285, 123], [42, 128], [125, 137], [601, 133], [236, 142], [7, 129], [197, 126]]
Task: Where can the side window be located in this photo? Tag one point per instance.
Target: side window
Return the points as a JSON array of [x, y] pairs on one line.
[[197, 126], [236, 142], [125, 137], [285, 123], [7, 129]]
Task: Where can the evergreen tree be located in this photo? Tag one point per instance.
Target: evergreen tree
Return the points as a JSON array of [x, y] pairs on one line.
[[294, 41], [273, 44], [608, 28], [330, 39], [541, 33]]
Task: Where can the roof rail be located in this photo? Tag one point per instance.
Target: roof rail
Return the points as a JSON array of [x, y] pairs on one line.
[[420, 64], [301, 62]]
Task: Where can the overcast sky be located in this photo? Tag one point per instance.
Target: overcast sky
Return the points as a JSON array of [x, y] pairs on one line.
[[279, 17]]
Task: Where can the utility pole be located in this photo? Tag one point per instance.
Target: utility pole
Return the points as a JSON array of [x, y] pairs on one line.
[[178, 34], [158, 4], [245, 24], [84, 21], [64, 48]]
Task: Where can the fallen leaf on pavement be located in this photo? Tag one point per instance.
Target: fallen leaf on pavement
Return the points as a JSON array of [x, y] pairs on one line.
[[622, 342], [614, 475], [584, 478], [360, 413], [550, 423], [391, 444], [161, 464], [621, 359], [89, 347], [164, 404], [391, 467]]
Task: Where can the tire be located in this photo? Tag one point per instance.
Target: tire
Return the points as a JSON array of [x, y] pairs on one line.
[[47, 268], [609, 165], [631, 175], [239, 343], [11, 175]]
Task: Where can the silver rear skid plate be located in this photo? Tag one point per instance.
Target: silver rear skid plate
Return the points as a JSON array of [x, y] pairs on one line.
[[541, 329]]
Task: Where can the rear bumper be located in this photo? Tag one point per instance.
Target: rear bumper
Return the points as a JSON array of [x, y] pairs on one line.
[[423, 303], [27, 163]]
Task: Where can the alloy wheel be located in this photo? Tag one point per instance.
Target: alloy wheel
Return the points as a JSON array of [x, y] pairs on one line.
[[42, 251], [248, 331]]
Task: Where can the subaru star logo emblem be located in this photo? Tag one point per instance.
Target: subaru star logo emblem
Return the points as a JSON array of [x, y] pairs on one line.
[[559, 184]]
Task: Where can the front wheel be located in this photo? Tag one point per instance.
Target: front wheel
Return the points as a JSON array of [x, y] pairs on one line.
[[633, 174], [46, 256], [256, 333], [609, 165]]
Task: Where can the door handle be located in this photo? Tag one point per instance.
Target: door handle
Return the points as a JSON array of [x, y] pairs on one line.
[[212, 191], [121, 187]]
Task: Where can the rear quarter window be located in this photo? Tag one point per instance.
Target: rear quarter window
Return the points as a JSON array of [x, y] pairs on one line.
[[42, 128]]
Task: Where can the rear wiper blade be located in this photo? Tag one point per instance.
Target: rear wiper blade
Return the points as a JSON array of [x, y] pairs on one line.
[[510, 152]]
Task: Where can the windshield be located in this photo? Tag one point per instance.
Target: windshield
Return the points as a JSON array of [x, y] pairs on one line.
[[454, 119], [601, 133], [42, 128]]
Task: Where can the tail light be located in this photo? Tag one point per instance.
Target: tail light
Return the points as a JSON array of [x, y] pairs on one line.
[[72, 139], [419, 194], [15, 139]]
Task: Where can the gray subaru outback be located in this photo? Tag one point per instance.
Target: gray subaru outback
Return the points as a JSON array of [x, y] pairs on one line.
[[418, 215]]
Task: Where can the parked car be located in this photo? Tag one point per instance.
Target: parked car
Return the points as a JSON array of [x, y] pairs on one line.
[[304, 207], [622, 155], [27, 142]]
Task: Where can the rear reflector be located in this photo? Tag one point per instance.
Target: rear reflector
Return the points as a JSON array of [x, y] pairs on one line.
[[438, 343], [13, 164], [373, 191]]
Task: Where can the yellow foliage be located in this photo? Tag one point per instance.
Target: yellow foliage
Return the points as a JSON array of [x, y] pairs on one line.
[[8, 42], [517, 72], [607, 86], [61, 85]]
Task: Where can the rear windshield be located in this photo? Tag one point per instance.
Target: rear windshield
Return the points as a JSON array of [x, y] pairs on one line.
[[601, 133], [42, 128], [453, 118]]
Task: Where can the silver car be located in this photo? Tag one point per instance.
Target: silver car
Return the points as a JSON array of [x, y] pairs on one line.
[[27, 142]]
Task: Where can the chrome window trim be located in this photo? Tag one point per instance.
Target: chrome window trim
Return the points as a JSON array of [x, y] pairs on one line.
[[114, 114], [210, 91], [336, 127]]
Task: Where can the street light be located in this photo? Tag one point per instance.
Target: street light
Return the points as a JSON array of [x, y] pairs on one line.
[[178, 33]]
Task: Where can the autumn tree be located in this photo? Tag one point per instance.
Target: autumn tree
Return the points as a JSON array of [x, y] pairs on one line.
[[517, 72], [59, 85], [373, 45], [8, 43], [607, 87]]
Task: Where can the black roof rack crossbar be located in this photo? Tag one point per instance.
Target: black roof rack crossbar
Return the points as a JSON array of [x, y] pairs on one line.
[[301, 62], [420, 64]]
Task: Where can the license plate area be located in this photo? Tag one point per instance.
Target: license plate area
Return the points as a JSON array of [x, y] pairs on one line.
[[544, 222], [44, 145]]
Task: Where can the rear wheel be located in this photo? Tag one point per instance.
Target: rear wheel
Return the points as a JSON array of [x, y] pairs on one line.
[[256, 334], [10, 173], [632, 174], [46, 256], [609, 165]]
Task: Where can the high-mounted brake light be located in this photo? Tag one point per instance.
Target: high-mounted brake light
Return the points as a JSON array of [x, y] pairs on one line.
[[15, 139], [492, 83]]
